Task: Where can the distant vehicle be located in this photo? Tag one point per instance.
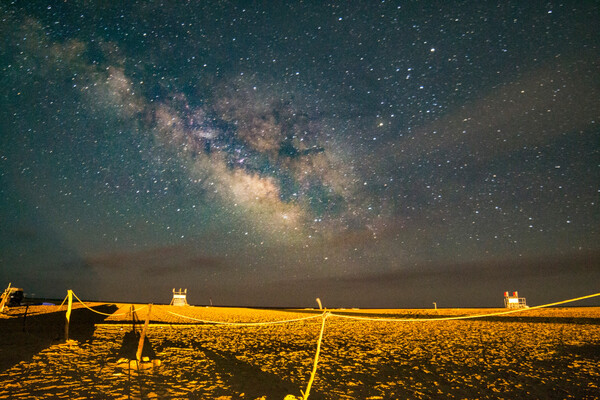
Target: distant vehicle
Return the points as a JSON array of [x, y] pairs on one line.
[[15, 297], [12, 297]]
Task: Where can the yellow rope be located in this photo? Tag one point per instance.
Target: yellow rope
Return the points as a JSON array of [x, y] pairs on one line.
[[314, 370], [327, 314], [61, 304], [201, 320], [350, 316], [243, 323], [464, 316], [101, 313]]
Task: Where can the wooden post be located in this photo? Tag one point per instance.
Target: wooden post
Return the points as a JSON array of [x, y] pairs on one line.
[[138, 355], [5, 297], [132, 312], [25, 318], [68, 315]]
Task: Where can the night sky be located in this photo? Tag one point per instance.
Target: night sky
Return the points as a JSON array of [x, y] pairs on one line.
[[372, 154]]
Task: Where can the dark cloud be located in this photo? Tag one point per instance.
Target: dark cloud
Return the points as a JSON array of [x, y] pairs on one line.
[[541, 280], [156, 261]]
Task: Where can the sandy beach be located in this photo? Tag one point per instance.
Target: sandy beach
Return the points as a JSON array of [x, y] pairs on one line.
[[545, 353]]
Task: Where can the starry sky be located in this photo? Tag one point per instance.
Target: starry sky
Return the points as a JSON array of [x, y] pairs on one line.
[[370, 153]]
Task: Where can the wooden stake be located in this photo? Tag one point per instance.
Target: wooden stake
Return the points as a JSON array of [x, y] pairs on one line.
[[138, 355], [68, 315], [25, 318], [132, 312], [5, 297]]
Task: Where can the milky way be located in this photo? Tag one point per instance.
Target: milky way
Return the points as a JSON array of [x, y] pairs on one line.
[[368, 154]]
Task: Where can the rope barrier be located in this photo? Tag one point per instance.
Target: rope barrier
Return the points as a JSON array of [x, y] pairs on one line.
[[201, 320], [244, 323], [460, 317], [463, 316], [101, 313], [327, 314]]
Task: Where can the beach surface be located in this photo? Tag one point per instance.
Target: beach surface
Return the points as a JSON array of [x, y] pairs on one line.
[[542, 353]]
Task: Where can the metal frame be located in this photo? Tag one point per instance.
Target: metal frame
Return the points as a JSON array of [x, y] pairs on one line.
[[514, 301], [179, 297]]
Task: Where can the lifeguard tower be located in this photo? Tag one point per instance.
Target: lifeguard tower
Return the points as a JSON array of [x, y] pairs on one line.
[[179, 297], [514, 301]]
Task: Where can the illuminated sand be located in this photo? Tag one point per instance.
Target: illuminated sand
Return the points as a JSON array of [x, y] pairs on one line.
[[547, 353]]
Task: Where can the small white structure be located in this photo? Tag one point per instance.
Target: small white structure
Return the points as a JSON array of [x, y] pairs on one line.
[[179, 297], [514, 301]]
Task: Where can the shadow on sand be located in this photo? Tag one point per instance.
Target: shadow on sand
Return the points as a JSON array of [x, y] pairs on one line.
[[249, 379], [27, 335], [130, 343]]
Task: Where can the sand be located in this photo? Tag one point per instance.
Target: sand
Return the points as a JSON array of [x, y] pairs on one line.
[[547, 353]]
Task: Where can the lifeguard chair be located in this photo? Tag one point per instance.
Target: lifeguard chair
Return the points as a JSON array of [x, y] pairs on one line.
[[179, 297], [514, 301]]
